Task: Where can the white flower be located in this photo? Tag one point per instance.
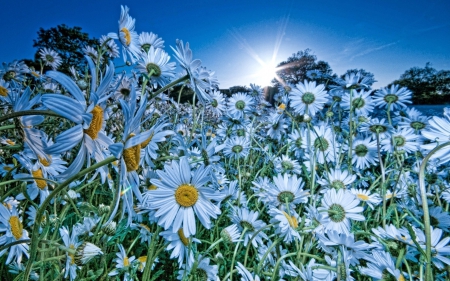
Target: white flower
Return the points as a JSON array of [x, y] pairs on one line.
[[340, 207]]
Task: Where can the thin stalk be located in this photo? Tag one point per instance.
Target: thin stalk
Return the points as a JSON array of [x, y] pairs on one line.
[[426, 212], [28, 112]]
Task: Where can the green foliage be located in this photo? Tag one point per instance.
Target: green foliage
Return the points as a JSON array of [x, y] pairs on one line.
[[68, 42], [428, 85]]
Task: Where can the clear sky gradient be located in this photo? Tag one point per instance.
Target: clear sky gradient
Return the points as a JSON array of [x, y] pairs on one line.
[[230, 37]]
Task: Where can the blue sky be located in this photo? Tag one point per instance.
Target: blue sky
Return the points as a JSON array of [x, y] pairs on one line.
[[383, 37]]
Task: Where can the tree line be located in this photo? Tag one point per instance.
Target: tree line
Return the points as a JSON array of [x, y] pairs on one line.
[[428, 85]]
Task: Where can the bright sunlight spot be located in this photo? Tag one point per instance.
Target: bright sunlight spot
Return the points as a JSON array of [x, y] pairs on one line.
[[267, 74]]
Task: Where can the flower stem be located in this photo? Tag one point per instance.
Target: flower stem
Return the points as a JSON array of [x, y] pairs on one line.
[[426, 213]]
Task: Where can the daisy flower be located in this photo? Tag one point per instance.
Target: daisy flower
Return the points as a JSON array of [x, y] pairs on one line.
[[146, 40], [353, 81], [236, 147], [440, 218], [246, 275], [401, 140], [182, 197], [364, 153], [361, 102], [393, 97], [337, 179], [414, 119], [247, 220], [276, 126], [111, 48], [127, 36], [204, 271], [240, 104], [307, 98], [123, 263], [86, 252], [440, 249], [287, 190], [180, 245], [71, 242], [155, 63], [296, 142], [286, 224], [376, 126], [216, 104], [184, 55], [50, 58], [230, 234], [89, 119], [438, 131], [11, 225], [381, 266], [15, 70], [323, 144], [365, 196], [340, 207], [92, 53], [285, 164]]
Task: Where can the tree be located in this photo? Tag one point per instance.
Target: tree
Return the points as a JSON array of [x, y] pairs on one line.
[[428, 85], [296, 67], [68, 42]]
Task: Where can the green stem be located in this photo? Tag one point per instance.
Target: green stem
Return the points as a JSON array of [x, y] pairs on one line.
[[40, 211], [7, 127], [235, 253], [168, 86], [426, 213], [28, 112]]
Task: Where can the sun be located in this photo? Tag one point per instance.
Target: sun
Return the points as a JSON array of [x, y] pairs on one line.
[[266, 74]]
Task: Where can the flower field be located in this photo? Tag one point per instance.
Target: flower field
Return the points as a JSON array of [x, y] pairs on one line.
[[107, 175]]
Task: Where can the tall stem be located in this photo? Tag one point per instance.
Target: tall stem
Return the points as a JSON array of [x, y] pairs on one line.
[[426, 213]]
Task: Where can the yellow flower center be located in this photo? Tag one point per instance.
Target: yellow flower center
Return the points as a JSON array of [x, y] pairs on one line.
[[363, 197], [126, 261], [10, 142], [42, 184], [292, 220], [147, 141], [132, 156], [127, 35], [145, 226], [142, 260], [44, 161], [72, 256], [96, 123], [151, 187], [401, 278], [7, 168], [3, 91], [282, 106], [183, 238], [186, 195], [16, 227]]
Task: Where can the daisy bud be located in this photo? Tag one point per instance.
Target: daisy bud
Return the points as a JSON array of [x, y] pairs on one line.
[[86, 252], [330, 114], [54, 220], [110, 228], [82, 84], [306, 118], [128, 63], [219, 258], [103, 209]]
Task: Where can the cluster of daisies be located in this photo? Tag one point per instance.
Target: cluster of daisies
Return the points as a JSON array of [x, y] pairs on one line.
[[105, 174]]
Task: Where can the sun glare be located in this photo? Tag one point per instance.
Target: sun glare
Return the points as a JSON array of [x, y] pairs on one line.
[[267, 74]]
